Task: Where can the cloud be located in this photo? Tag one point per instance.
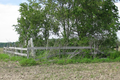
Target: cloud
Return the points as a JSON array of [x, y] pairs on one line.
[[118, 5], [8, 17]]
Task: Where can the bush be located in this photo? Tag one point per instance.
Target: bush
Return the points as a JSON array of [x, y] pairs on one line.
[[114, 55], [17, 58], [22, 60], [61, 61], [117, 59], [28, 62]]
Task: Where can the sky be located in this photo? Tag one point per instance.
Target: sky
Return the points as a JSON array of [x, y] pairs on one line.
[[8, 17]]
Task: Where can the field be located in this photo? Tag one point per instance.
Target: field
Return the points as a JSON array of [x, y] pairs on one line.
[[11, 70], [81, 71]]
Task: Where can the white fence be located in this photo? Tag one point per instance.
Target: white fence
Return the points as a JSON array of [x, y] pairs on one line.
[[30, 50], [14, 50]]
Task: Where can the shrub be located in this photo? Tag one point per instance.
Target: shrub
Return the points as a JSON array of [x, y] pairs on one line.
[[114, 55], [16, 58], [117, 59], [28, 62], [61, 61]]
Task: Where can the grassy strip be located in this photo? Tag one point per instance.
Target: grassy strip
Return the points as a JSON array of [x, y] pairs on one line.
[[22, 60], [85, 60], [31, 62]]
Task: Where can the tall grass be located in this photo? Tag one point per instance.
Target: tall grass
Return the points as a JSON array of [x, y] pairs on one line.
[[112, 56], [23, 61]]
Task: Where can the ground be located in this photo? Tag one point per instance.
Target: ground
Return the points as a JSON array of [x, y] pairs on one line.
[[80, 71], [1, 50]]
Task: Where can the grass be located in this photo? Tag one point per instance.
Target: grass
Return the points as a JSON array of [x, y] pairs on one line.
[[102, 69], [1, 50], [23, 61], [114, 56]]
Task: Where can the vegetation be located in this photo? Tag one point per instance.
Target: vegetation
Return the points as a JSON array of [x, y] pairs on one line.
[[71, 21], [7, 44], [1, 50], [23, 61]]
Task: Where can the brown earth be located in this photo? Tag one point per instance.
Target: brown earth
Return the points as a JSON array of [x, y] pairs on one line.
[[92, 71]]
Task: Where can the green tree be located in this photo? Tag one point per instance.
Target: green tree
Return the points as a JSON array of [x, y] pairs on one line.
[[29, 22], [36, 21], [85, 20]]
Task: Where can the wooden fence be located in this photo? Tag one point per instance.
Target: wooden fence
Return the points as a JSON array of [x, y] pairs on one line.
[[19, 51], [30, 50], [14, 50]]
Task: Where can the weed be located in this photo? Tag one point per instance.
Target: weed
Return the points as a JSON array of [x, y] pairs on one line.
[[92, 76], [27, 62], [114, 54], [117, 59], [16, 70], [23, 61], [117, 67], [81, 77], [4, 57]]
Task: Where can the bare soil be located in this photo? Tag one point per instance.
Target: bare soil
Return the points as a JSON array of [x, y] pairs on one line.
[[92, 71]]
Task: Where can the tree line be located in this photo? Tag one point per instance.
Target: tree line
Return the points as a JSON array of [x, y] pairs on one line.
[[69, 22], [7, 44]]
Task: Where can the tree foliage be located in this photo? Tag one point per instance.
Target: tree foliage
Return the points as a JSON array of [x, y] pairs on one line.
[[87, 21]]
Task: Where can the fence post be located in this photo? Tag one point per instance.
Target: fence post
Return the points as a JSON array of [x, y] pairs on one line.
[[4, 50], [27, 52], [21, 51], [30, 43], [32, 50], [15, 50]]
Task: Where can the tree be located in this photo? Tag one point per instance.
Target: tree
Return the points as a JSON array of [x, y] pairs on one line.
[[29, 22], [64, 13], [85, 20], [36, 22]]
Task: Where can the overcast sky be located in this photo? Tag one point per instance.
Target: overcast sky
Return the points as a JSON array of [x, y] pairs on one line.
[[8, 17]]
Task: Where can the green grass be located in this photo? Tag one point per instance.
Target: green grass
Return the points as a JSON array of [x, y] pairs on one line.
[[23, 61], [4, 57], [114, 56]]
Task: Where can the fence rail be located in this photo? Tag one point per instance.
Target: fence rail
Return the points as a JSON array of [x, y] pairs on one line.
[[73, 47], [14, 50]]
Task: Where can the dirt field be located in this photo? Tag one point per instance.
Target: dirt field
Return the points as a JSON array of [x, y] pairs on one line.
[[92, 71]]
